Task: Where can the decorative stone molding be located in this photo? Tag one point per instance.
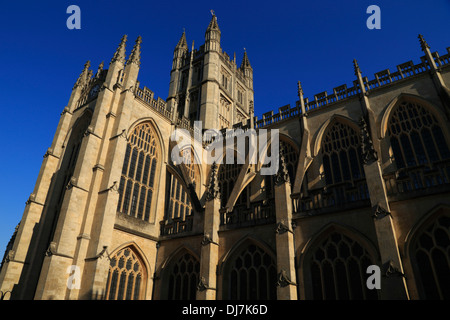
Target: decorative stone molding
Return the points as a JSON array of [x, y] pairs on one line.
[[380, 213], [203, 285], [49, 152], [98, 166], [282, 175], [284, 280], [66, 110], [10, 256], [73, 184], [51, 251], [120, 135], [392, 271], [213, 191], [31, 199], [113, 188], [90, 131], [282, 228], [369, 155], [100, 255], [207, 240]]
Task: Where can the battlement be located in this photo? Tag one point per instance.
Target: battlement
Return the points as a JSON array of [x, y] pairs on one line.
[[147, 97], [381, 79]]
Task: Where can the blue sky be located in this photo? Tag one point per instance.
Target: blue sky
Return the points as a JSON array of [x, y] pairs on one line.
[[286, 41]]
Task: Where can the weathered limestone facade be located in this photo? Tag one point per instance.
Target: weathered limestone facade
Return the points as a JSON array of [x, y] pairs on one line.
[[363, 179]]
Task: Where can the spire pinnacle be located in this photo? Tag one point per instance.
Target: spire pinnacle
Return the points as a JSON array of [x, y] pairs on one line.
[[100, 69], [84, 75], [119, 55], [135, 56], [299, 89], [423, 43], [356, 66], [245, 62], [182, 43], [213, 25]]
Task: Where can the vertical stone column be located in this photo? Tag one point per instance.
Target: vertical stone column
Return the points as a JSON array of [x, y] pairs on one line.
[[102, 223], [286, 284], [210, 243], [393, 284]]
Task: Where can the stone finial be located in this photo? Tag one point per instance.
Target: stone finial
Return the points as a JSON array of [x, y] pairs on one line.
[[368, 152], [135, 56], [213, 191], [423, 44], [119, 55]]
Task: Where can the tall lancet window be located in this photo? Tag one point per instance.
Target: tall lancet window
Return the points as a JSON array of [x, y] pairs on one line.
[[228, 174], [342, 166], [340, 178], [179, 213], [138, 181]]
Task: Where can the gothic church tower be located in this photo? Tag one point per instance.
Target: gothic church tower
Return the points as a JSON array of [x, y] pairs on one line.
[[205, 85]]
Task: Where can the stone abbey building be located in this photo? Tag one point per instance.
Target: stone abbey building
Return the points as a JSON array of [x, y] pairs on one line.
[[363, 179]]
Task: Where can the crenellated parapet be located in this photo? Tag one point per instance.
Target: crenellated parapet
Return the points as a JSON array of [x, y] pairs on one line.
[[381, 79]]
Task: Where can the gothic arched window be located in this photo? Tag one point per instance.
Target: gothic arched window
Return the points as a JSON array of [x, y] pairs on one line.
[[179, 212], [227, 176], [126, 276], [431, 252], [251, 275], [183, 278], [191, 167], [341, 156], [417, 140], [337, 269], [137, 183]]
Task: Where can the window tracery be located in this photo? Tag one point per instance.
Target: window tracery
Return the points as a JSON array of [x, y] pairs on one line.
[[338, 267], [137, 183], [431, 251], [252, 275], [126, 276], [419, 148]]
